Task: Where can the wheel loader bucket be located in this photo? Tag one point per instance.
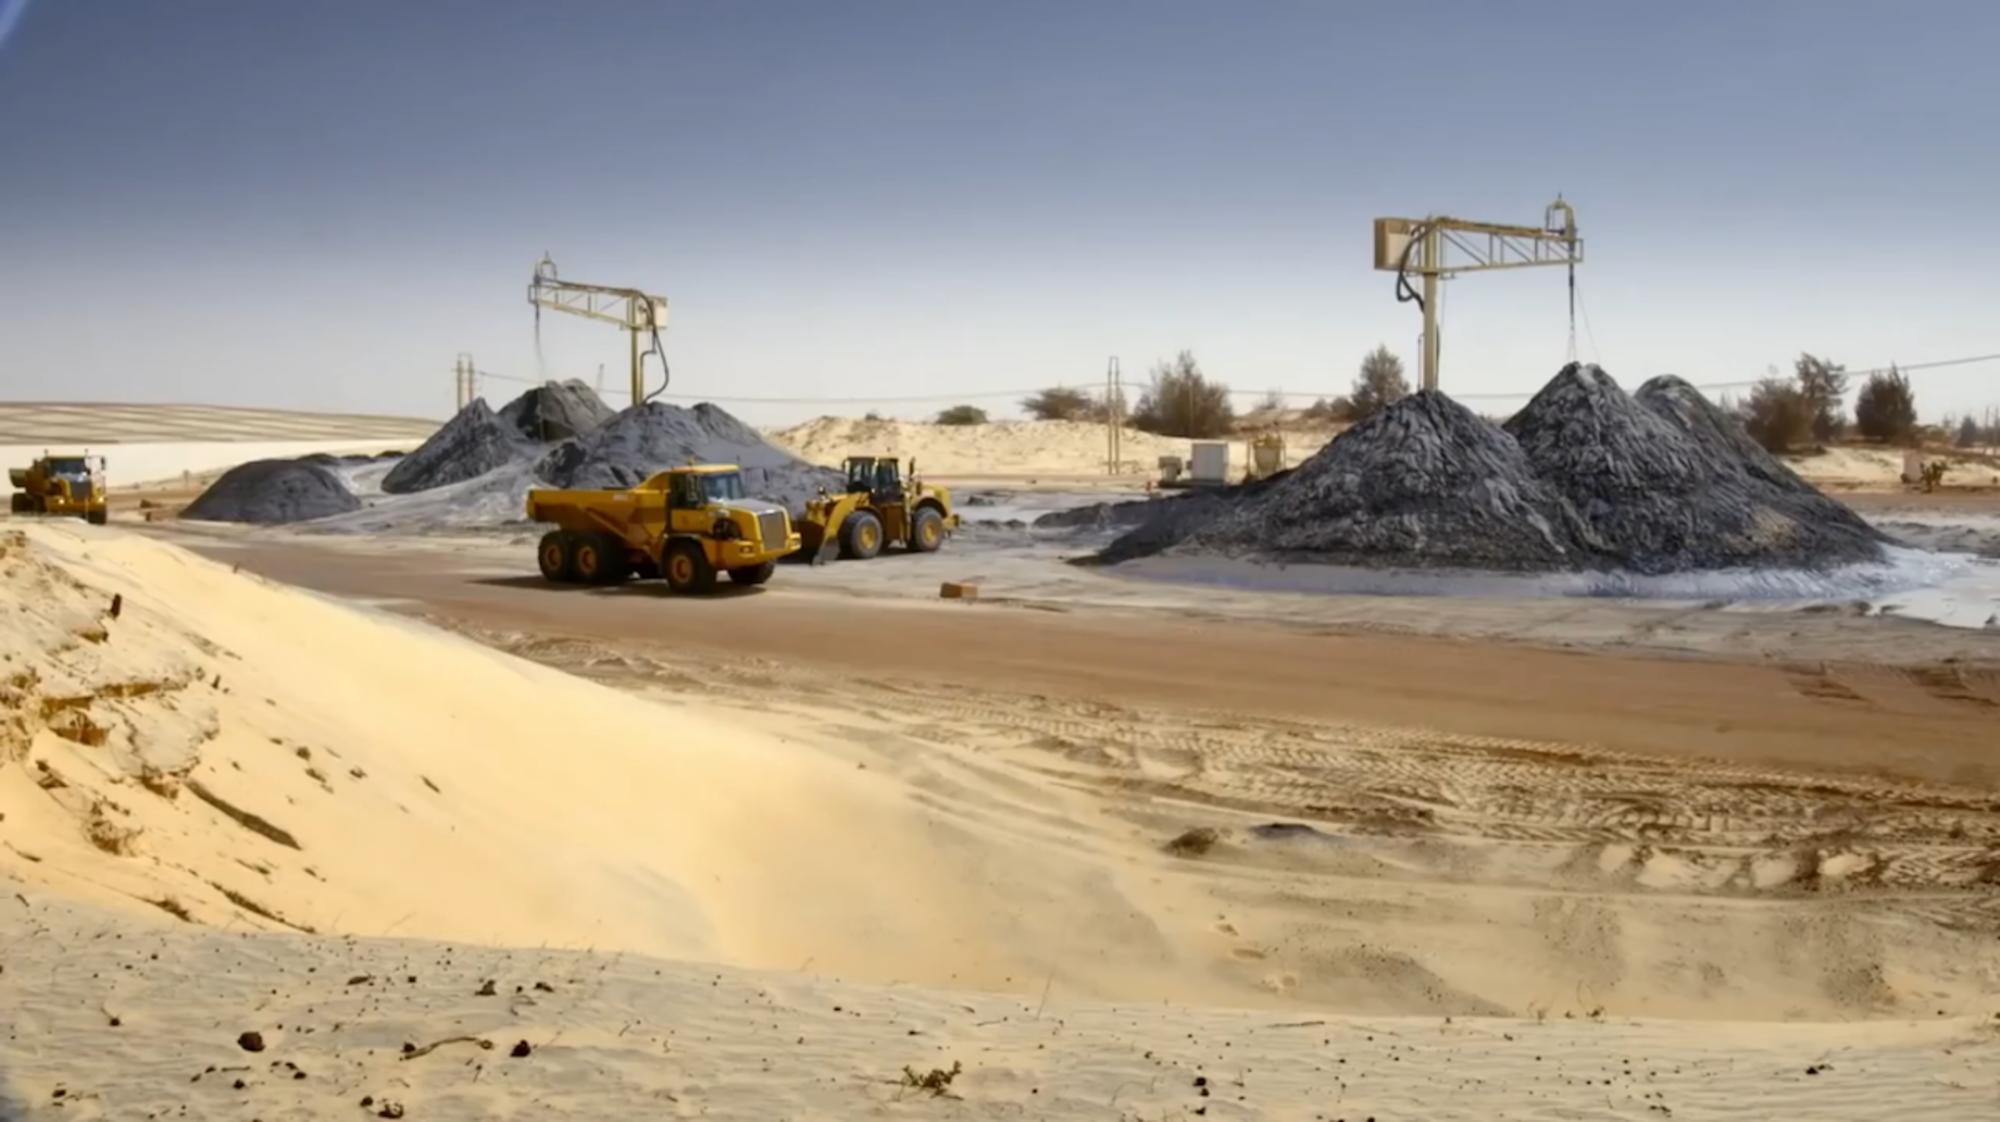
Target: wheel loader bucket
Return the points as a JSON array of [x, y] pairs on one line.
[[819, 530], [816, 545]]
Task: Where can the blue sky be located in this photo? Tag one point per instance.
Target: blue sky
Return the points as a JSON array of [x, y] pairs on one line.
[[320, 205]]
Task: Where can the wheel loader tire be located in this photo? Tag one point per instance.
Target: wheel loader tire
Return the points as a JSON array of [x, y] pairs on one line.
[[688, 569], [599, 559], [557, 556], [861, 536], [753, 575], [927, 531], [96, 517]]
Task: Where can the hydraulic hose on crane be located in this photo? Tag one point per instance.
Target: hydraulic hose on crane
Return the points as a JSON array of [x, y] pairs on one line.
[[546, 279]]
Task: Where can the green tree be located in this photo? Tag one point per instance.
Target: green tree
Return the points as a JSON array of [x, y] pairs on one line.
[[1968, 432], [1885, 409], [1824, 384], [1379, 385], [962, 415], [1777, 415], [1061, 403], [1182, 401]]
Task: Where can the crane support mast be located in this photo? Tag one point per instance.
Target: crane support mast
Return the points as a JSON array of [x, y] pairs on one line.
[[639, 313], [1441, 246]]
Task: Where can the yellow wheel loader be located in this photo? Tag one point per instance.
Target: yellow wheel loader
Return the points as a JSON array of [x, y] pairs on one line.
[[875, 509], [689, 524], [72, 486]]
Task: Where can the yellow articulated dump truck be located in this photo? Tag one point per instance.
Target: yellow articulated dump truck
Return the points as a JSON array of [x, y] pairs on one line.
[[688, 524], [71, 486]]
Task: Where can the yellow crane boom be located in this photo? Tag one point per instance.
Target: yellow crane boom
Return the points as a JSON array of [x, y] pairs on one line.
[[1442, 246], [639, 313]]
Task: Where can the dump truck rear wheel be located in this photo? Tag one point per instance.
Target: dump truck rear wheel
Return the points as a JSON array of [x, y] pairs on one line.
[[688, 569], [557, 556], [19, 503], [751, 575], [861, 536], [599, 559], [927, 531]]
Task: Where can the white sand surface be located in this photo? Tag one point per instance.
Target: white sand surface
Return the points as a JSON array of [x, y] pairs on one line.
[[172, 462], [156, 443]]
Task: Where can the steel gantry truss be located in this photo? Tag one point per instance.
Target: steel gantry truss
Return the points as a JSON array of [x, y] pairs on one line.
[[639, 313], [1441, 246]]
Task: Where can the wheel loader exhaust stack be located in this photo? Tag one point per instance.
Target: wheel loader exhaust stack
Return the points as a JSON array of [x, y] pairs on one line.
[[877, 507]]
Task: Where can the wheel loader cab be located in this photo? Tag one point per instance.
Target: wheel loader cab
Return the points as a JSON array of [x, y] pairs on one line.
[[877, 476]]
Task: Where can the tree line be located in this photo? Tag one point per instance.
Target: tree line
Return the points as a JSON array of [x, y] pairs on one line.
[[1181, 400]]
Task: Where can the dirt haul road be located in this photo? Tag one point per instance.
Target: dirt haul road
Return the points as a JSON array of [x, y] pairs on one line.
[[1928, 723]]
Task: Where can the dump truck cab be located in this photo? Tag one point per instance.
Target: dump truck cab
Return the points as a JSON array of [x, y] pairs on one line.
[[60, 484], [689, 524], [875, 507]]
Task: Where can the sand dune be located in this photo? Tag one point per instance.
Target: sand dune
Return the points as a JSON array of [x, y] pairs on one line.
[[247, 753], [1000, 448]]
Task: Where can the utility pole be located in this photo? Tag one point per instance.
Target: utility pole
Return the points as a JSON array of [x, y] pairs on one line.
[[1442, 247], [462, 378], [1113, 435]]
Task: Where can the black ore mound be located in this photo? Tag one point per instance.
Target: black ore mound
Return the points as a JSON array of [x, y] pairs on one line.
[[556, 411], [1584, 477], [472, 443], [1424, 483], [638, 442], [273, 491], [1669, 483]]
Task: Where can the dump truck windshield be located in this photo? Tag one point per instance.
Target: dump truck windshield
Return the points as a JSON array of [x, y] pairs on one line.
[[722, 488], [68, 465]]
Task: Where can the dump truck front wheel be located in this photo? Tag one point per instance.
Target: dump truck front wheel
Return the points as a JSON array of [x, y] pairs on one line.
[[861, 536], [687, 568], [557, 557], [95, 517], [927, 531], [751, 575]]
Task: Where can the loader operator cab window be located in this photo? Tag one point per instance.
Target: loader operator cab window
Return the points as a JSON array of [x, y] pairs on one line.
[[888, 484], [877, 477]]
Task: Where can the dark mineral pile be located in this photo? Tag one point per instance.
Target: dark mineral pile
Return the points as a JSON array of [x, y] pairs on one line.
[[1585, 477]]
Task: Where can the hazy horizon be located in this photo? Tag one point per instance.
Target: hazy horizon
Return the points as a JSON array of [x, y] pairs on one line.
[[319, 207]]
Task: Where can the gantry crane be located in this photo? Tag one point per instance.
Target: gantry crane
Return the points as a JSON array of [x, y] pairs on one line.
[[639, 313], [1441, 246]]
